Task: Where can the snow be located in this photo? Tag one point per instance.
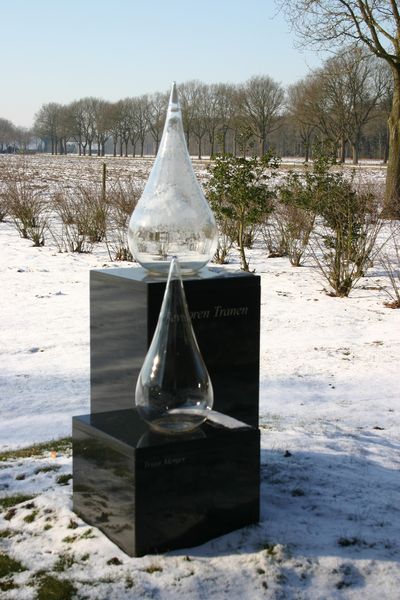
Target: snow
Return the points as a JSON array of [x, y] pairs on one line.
[[330, 494]]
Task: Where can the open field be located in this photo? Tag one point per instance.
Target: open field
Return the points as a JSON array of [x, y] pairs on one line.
[[330, 423]]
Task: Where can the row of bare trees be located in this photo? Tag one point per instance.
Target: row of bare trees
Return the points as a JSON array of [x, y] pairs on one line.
[[338, 102], [12, 137], [373, 25], [210, 112], [346, 101]]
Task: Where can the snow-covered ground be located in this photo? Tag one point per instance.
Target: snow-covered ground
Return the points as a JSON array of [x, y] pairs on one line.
[[330, 419]]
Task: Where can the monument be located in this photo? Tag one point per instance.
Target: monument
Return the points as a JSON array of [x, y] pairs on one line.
[[169, 456]]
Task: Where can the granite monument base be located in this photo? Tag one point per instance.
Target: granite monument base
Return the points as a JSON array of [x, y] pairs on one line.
[[225, 311], [151, 493]]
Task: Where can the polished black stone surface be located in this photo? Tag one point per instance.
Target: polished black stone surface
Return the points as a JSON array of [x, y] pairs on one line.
[[150, 493], [225, 312]]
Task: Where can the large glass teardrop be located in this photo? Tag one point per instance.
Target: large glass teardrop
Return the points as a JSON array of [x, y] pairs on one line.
[[172, 218], [174, 391]]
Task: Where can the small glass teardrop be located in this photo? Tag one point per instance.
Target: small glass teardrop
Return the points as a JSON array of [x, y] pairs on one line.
[[174, 390]]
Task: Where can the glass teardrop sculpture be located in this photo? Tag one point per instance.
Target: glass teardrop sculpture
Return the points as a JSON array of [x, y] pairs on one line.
[[172, 217], [174, 391]]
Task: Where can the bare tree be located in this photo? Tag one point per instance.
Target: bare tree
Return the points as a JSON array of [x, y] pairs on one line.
[[188, 93], [262, 102], [84, 117], [115, 116], [374, 23], [325, 103], [340, 98], [125, 125], [365, 88], [65, 126], [7, 134], [89, 106], [227, 109], [76, 110], [157, 109], [211, 116], [103, 124], [142, 104], [384, 110], [23, 137], [200, 117], [47, 121], [303, 118], [353, 84]]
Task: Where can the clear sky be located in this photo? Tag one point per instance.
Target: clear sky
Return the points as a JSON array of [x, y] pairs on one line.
[[63, 50]]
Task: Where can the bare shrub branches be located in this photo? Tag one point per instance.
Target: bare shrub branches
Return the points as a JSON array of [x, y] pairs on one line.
[[122, 199], [69, 231], [27, 209], [391, 266], [344, 244]]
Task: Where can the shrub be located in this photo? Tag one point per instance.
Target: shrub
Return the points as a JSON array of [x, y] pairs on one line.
[[27, 209], [391, 265], [23, 201], [341, 221], [93, 211], [83, 216], [345, 241], [274, 235], [65, 229], [3, 207], [240, 198], [122, 199], [3, 202], [296, 212]]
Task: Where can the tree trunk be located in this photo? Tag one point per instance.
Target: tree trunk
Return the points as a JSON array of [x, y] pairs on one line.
[[224, 131], [243, 259], [354, 149], [386, 148], [342, 159], [392, 192], [307, 152], [264, 143]]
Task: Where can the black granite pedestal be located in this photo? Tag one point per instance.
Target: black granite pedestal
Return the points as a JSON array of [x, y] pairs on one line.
[[150, 493], [225, 312]]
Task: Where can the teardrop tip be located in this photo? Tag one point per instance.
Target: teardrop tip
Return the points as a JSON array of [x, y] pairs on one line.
[[174, 94], [174, 269]]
